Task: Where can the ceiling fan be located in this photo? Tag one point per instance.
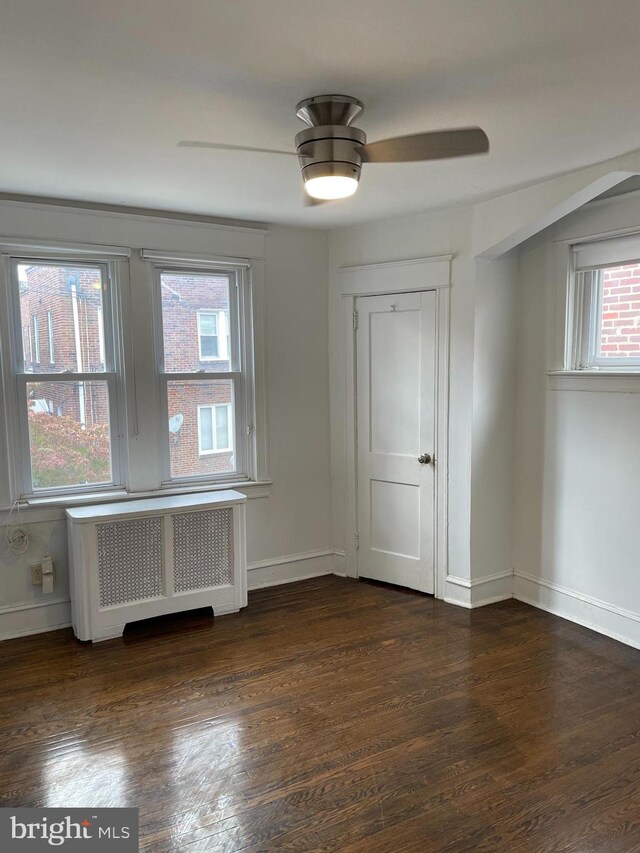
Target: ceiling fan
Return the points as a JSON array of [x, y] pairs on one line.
[[331, 152]]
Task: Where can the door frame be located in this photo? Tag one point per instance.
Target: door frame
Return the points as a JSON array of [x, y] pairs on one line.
[[414, 275]]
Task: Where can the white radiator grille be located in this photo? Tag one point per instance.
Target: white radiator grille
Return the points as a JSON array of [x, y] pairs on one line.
[[202, 549], [130, 560]]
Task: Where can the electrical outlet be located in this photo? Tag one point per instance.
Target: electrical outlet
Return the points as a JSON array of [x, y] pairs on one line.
[[36, 574]]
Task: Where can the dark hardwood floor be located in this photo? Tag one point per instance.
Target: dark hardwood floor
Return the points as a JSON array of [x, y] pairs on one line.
[[335, 715]]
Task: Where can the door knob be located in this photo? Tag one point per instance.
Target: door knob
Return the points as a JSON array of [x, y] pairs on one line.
[[424, 459]]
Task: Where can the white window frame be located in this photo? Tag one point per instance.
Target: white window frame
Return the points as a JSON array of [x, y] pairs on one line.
[[52, 351], [113, 374], [241, 369], [222, 334], [587, 261], [214, 428]]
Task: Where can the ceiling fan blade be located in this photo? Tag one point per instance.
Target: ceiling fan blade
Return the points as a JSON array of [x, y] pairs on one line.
[[193, 143], [436, 145]]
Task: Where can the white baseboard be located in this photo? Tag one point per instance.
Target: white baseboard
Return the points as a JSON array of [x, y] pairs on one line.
[[624, 625], [615, 622], [290, 568], [479, 591], [340, 563], [457, 591], [492, 588], [20, 620], [593, 613]]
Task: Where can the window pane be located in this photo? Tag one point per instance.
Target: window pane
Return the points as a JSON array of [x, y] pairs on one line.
[[195, 320], [206, 429], [620, 312], [208, 324], [187, 457], [69, 433], [222, 428], [62, 303], [208, 347]]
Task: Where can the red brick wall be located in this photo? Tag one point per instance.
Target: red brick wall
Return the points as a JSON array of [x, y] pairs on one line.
[[620, 336], [184, 398], [48, 289], [182, 297]]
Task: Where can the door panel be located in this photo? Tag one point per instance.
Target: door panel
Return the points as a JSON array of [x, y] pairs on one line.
[[395, 518], [395, 411], [394, 348]]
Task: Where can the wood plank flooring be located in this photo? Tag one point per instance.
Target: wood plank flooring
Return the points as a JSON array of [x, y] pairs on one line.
[[333, 715]]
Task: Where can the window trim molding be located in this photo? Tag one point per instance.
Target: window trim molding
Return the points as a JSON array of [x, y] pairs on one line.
[[49, 508], [193, 260], [592, 380], [61, 250]]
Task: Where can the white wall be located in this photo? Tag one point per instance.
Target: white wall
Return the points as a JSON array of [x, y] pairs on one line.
[[494, 390], [289, 533], [296, 517], [577, 494]]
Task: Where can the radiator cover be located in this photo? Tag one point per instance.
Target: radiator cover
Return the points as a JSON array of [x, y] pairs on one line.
[[137, 559]]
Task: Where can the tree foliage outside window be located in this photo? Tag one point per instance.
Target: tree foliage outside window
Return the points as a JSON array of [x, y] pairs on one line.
[[62, 452]]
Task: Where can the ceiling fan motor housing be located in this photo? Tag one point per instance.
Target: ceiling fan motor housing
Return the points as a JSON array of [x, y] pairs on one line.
[[330, 150], [330, 146], [329, 109]]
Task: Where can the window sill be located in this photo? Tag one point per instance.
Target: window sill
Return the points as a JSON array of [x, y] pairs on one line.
[[616, 381], [252, 489]]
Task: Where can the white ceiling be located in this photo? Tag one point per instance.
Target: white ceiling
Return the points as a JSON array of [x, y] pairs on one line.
[[95, 94]]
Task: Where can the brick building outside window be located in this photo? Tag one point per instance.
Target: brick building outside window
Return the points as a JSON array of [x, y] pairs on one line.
[[196, 326], [62, 323]]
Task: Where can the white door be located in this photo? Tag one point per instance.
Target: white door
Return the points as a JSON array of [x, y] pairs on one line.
[[396, 384]]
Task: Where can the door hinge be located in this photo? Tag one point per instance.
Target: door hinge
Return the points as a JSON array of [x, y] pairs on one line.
[[357, 540], [355, 320]]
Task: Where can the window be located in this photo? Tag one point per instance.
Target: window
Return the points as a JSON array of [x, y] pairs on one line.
[[36, 341], [606, 306], [213, 340], [94, 405], [215, 428], [52, 352], [67, 417], [204, 370]]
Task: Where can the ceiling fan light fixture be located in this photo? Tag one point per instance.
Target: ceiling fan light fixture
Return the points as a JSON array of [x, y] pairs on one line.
[[330, 181], [329, 187]]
